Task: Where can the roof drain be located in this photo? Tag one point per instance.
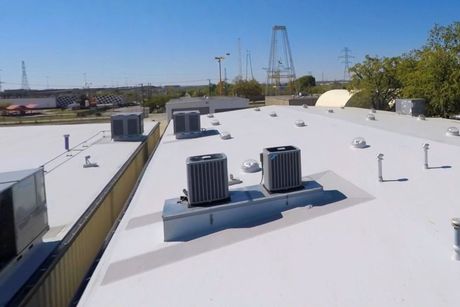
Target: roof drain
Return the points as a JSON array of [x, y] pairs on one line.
[[300, 123], [452, 131]]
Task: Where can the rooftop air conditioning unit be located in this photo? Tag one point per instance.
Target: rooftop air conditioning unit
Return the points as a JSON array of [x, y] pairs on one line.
[[186, 123], [23, 212], [127, 126], [282, 168], [207, 179]]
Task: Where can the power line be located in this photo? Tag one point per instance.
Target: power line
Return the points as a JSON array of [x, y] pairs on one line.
[[346, 59]]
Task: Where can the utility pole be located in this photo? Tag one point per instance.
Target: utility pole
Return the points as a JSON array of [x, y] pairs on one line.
[[346, 59], [219, 59]]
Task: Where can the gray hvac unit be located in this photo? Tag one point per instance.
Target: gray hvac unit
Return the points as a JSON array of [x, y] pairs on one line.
[[127, 126], [414, 107], [282, 168], [23, 213], [186, 123], [207, 180]]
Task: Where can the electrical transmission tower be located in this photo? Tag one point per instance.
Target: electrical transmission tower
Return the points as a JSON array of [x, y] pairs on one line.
[[240, 66], [249, 64], [25, 82], [346, 60], [281, 71]]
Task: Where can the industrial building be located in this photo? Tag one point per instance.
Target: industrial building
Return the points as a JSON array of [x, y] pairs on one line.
[[87, 177], [369, 222], [206, 104]]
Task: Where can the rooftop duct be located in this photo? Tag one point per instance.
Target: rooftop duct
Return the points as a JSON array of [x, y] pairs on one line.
[[207, 179], [281, 168]]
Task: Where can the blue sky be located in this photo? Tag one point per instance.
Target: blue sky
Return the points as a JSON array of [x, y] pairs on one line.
[[121, 42]]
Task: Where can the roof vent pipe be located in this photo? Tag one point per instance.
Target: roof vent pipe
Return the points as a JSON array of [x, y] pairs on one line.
[[380, 158], [215, 122], [210, 115], [273, 114], [452, 131], [456, 225], [421, 117], [67, 142], [256, 109], [305, 106], [330, 111], [426, 146], [370, 116]]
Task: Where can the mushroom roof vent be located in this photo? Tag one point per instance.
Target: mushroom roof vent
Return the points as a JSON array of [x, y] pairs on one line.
[[224, 135], [250, 166], [210, 115], [215, 122], [300, 123], [421, 117], [452, 131], [359, 142], [370, 116], [330, 111], [256, 109], [305, 106], [273, 114]]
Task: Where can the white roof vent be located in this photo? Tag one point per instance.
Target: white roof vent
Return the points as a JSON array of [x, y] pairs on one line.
[[452, 131], [210, 115], [421, 117], [305, 106], [250, 166], [215, 122], [370, 116], [256, 109], [300, 123], [273, 114], [330, 111], [359, 142], [224, 135]]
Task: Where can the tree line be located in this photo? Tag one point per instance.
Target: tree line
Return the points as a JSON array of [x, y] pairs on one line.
[[431, 72]]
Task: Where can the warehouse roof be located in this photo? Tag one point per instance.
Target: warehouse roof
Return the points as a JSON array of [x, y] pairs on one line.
[[382, 244], [70, 188]]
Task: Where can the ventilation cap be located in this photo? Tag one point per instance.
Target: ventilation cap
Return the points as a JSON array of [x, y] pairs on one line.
[[330, 111], [300, 123], [224, 135], [421, 117], [273, 114], [359, 142], [210, 115], [370, 116], [305, 106], [215, 122], [250, 166], [453, 131], [256, 109]]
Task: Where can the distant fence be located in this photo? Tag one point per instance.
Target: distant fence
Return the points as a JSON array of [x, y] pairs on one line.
[[57, 281]]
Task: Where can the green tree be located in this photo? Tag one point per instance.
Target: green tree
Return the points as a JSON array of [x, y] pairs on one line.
[[249, 89], [305, 83], [378, 79]]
